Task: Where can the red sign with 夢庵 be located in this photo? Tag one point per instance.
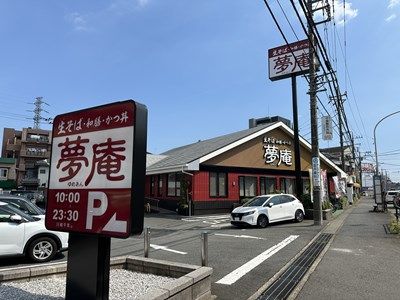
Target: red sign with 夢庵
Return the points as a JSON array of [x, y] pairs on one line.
[[91, 172]]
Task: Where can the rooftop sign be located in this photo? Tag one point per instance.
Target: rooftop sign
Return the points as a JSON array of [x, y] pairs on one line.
[[288, 60]]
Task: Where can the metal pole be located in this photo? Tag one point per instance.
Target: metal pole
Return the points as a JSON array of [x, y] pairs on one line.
[[88, 268], [204, 248], [297, 166], [376, 150], [360, 169], [316, 170], [341, 135], [146, 241], [376, 147]]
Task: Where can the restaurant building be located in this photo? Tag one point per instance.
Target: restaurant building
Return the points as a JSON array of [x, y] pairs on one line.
[[214, 174]]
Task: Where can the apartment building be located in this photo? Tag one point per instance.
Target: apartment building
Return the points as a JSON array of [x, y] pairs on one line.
[[29, 147]]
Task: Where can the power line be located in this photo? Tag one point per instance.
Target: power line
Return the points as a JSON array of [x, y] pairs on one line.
[[322, 48], [290, 24]]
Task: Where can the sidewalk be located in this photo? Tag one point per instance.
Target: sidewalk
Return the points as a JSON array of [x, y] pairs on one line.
[[363, 262]]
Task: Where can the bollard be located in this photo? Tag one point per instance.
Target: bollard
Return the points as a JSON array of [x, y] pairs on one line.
[[204, 249], [146, 241]]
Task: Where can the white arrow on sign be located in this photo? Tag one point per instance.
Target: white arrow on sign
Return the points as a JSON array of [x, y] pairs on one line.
[[114, 225], [165, 248]]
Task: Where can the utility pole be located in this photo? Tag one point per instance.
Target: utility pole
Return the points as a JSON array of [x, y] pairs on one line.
[[353, 152], [341, 133], [360, 168], [316, 169], [338, 101]]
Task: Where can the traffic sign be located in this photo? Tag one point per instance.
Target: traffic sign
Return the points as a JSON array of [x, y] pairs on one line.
[[97, 170]]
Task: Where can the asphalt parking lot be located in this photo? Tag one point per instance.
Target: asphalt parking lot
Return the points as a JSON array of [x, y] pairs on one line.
[[243, 259]]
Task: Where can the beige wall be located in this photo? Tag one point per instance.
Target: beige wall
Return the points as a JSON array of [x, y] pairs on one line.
[[251, 155]]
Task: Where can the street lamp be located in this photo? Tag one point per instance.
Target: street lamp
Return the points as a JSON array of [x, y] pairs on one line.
[[376, 159], [376, 148]]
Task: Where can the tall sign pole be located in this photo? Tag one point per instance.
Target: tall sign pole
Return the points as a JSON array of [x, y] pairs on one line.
[[289, 61], [297, 166], [316, 169]]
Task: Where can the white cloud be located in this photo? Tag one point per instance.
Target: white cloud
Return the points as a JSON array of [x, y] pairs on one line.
[[393, 3], [142, 3], [116, 8], [391, 18], [342, 12], [78, 21], [127, 6]]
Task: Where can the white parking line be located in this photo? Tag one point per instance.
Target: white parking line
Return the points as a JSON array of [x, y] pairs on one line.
[[212, 221], [165, 248], [250, 265], [240, 236], [221, 225]]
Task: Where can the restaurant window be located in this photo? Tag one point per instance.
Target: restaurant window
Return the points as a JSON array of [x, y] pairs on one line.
[[160, 185], [174, 185], [152, 184], [267, 185], [306, 186], [288, 185], [218, 184], [247, 186]]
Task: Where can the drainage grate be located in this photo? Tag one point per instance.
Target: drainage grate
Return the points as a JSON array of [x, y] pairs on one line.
[[281, 288]]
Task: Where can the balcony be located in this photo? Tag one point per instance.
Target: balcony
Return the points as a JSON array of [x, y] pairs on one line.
[[36, 154], [30, 181], [13, 147], [41, 140], [29, 165]]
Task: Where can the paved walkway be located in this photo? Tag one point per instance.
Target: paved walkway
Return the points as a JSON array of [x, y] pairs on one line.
[[363, 262]]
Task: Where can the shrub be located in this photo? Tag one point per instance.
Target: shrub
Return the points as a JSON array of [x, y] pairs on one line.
[[306, 200], [343, 202], [394, 227], [326, 204]]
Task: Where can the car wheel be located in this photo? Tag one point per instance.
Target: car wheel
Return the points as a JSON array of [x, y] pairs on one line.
[[42, 249], [262, 221], [299, 216]]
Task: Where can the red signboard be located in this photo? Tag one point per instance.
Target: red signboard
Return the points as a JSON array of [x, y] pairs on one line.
[[97, 161]]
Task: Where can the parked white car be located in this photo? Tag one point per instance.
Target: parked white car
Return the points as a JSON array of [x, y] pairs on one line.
[[265, 209], [390, 195], [22, 234]]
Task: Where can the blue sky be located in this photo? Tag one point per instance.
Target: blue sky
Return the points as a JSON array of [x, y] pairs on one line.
[[199, 66]]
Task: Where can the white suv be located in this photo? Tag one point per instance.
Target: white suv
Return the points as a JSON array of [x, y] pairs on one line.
[[22, 234], [265, 209]]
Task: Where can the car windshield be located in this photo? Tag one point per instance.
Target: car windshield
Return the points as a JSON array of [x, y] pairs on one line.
[[26, 194], [257, 201], [24, 205], [12, 210]]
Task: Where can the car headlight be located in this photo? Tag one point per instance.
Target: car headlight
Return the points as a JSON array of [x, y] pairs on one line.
[[249, 213]]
